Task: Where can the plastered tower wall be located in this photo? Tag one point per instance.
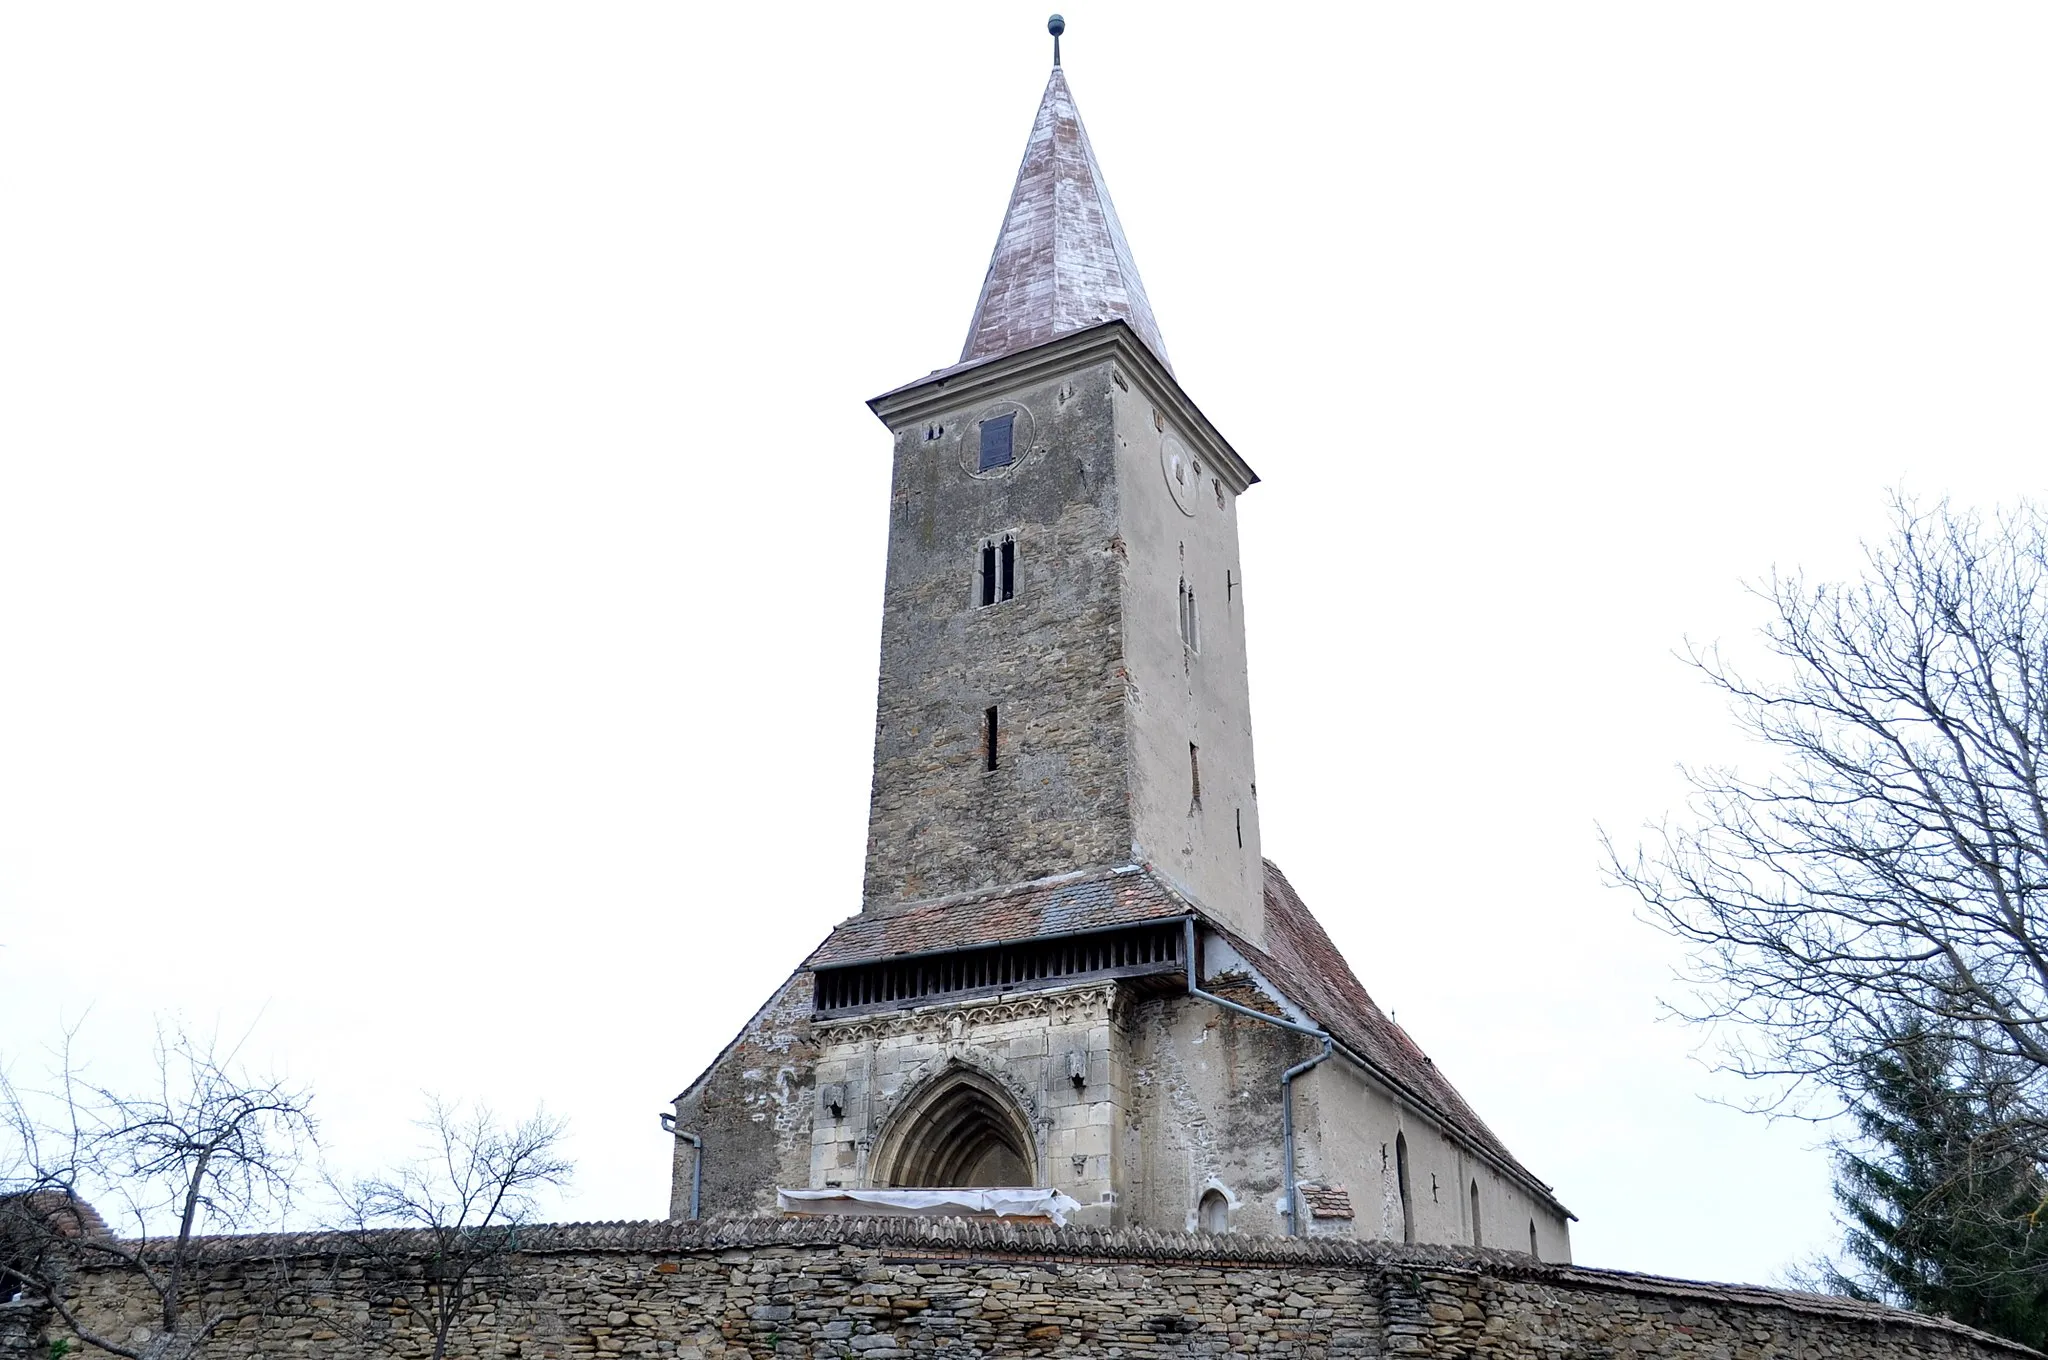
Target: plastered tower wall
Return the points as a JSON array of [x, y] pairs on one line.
[[1049, 659], [1118, 670], [1188, 698]]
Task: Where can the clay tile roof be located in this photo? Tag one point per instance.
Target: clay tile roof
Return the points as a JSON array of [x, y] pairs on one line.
[[1327, 1201], [1061, 262], [1302, 962], [1058, 906], [58, 1212]]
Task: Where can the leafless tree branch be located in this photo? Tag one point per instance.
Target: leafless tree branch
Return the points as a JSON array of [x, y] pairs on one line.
[[208, 1148], [1895, 863], [465, 1200]]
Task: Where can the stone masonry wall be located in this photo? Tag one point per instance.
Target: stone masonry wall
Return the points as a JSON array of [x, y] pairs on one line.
[[753, 1109], [891, 1290], [1049, 659], [1020, 1042]]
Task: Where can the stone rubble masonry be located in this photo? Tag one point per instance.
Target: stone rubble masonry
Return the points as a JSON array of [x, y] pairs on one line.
[[1050, 660], [880, 1289], [753, 1108]]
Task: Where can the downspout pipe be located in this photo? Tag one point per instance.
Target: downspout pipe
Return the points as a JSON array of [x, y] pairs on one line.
[[1286, 1078], [1373, 1070], [668, 1125], [1287, 1130]]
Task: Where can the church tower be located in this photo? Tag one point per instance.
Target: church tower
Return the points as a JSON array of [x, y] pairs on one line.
[[1063, 680], [1074, 990]]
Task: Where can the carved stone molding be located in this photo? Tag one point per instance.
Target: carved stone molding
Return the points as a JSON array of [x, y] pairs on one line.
[[944, 1022]]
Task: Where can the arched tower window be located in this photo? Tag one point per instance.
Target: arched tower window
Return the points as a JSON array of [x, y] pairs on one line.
[[962, 1131], [1212, 1215], [1532, 1241], [1476, 1240], [1401, 1174]]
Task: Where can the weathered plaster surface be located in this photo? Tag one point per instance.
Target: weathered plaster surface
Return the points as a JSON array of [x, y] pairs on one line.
[[1208, 1114], [1178, 519], [1349, 1126]]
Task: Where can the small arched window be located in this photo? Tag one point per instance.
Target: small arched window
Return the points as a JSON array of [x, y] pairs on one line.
[[1401, 1175], [1532, 1241], [1213, 1214], [1477, 1240]]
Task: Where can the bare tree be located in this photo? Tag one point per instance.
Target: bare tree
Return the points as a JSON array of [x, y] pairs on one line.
[[209, 1148], [1892, 874], [466, 1200]]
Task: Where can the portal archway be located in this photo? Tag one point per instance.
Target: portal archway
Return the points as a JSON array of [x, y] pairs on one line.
[[962, 1131]]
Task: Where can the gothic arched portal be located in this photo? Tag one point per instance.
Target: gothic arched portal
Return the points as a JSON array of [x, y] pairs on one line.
[[962, 1131]]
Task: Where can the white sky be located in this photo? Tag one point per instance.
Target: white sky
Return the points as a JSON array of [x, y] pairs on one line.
[[441, 535]]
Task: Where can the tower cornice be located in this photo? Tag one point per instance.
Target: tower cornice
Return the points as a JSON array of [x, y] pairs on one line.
[[963, 384]]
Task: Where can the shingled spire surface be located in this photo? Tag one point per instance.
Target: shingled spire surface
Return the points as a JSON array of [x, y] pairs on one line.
[[1061, 262]]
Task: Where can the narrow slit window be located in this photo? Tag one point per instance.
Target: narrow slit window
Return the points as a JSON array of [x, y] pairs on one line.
[[1477, 1238], [996, 436], [1401, 1178], [1007, 588], [990, 733], [1240, 828], [1195, 772], [987, 583], [1190, 618]]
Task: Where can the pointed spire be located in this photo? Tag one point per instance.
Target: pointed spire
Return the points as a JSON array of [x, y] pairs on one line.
[[1061, 262]]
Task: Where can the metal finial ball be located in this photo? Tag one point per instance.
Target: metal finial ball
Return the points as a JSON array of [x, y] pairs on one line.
[[1056, 25]]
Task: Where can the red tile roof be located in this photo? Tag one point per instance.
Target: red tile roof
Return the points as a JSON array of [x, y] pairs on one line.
[[1327, 1201], [1065, 905], [1307, 967], [56, 1212]]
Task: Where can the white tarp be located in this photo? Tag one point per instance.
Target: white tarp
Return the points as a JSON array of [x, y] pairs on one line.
[[1022, 1203]]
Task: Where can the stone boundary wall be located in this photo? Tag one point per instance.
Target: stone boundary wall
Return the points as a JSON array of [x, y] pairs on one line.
[[882, 1289]]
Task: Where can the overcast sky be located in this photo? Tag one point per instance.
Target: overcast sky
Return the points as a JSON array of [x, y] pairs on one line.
[[441, 536]]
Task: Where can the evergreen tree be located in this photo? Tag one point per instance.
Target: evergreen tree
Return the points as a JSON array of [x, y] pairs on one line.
[[1942, 1191]]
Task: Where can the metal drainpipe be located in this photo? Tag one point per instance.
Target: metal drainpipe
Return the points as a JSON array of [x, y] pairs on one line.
[[668, 1125], [1287, 1130], [1286, 1078], [1373, 1070]]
